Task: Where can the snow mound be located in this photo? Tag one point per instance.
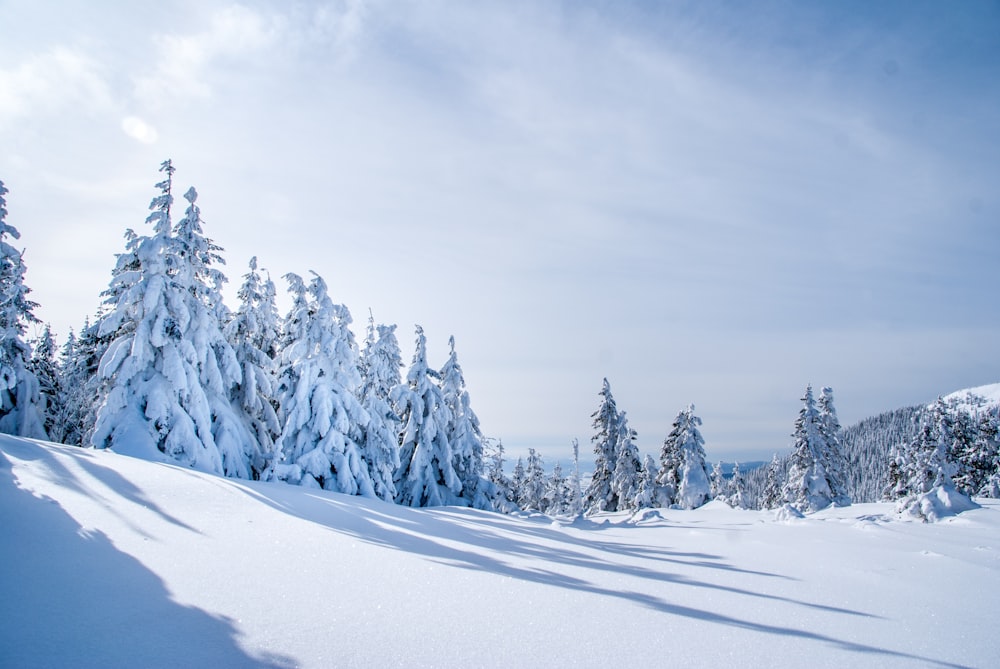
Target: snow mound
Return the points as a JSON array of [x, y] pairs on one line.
[[787, 513], [930, 507]]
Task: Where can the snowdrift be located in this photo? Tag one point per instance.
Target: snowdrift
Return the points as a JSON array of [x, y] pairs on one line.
[[111, 561]]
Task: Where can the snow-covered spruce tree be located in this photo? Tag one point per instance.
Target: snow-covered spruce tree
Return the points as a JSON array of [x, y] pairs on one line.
[[532, 496], [463, 432], [321, 416], [516, 487], [734, 489], [600, 495], [717, 482], [380, 365], [807, 487], [503, 500], [151, 407], [83, 388], [773, 494], [626, 478], [972, 454], [426, 475], [219, 370], [693, 489], [554, 499], [170, 371], [575, 492], [645, 496], [834, 462], [668, 476], [46, 369], [253, 332], [21, 405], [926, 467]]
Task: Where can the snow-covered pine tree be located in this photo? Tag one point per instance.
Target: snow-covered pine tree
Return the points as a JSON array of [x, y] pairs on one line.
[[380, 365], [693, 489], [734, 489], [426, 475], [46, 369], [626, 478], [532, 497], [219, 370], [320, 414], [554, 499], [807, 487], [21, 405], [668, 477], [717, 482], [645, 497], [463, 432], [834, 462], [502, 497], [516, 487], [575, 492], [253, 332], [600, 495], [170, 371], [773, 495]]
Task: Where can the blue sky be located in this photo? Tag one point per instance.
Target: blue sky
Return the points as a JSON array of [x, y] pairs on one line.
[[708, 203]]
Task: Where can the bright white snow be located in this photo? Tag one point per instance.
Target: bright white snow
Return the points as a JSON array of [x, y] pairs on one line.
[[112, 561]]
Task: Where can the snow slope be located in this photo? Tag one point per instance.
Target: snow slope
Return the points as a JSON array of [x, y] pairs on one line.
[[111, 561], [990, 393]]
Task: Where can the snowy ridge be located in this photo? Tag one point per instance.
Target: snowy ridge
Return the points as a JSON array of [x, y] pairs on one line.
[[121, 562], [990, 393]]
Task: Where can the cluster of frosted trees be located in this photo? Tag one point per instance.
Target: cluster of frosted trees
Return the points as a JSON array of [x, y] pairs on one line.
[[167, 372], [623, 481], [954, 455]]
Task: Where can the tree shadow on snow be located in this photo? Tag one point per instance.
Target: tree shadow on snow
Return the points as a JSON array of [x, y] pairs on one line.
[[70, 598], [495, 543]]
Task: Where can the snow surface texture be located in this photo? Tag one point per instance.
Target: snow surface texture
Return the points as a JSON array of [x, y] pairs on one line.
[[113, 561]]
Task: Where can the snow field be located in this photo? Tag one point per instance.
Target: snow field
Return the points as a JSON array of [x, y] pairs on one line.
[[115, 561]]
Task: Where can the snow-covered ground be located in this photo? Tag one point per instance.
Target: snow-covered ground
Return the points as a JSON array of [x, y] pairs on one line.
[[111, 561]]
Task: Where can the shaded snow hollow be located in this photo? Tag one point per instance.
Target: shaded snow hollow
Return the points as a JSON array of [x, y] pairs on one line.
[[112, 561]]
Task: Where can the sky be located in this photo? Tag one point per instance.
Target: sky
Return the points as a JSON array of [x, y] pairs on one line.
[[709, 203]]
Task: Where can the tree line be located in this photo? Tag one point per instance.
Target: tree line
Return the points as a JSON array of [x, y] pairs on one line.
[[166, 371]]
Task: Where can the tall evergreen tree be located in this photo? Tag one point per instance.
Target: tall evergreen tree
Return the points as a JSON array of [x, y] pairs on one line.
[[575, 494], [773, 495], [463, 431], [517, 481], [668, 477], [46, 369], [321, 416], [808, 487], [627, 475], [717, 482], [834, 462], [600, 495], [646, 495], [21, 404], [253, 332], [532, 497], [693, 489], [380, 364], [426, 475], [170, 371], [734, 489]]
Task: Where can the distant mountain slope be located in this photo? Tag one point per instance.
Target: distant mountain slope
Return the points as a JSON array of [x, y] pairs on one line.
[[110, 561]]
